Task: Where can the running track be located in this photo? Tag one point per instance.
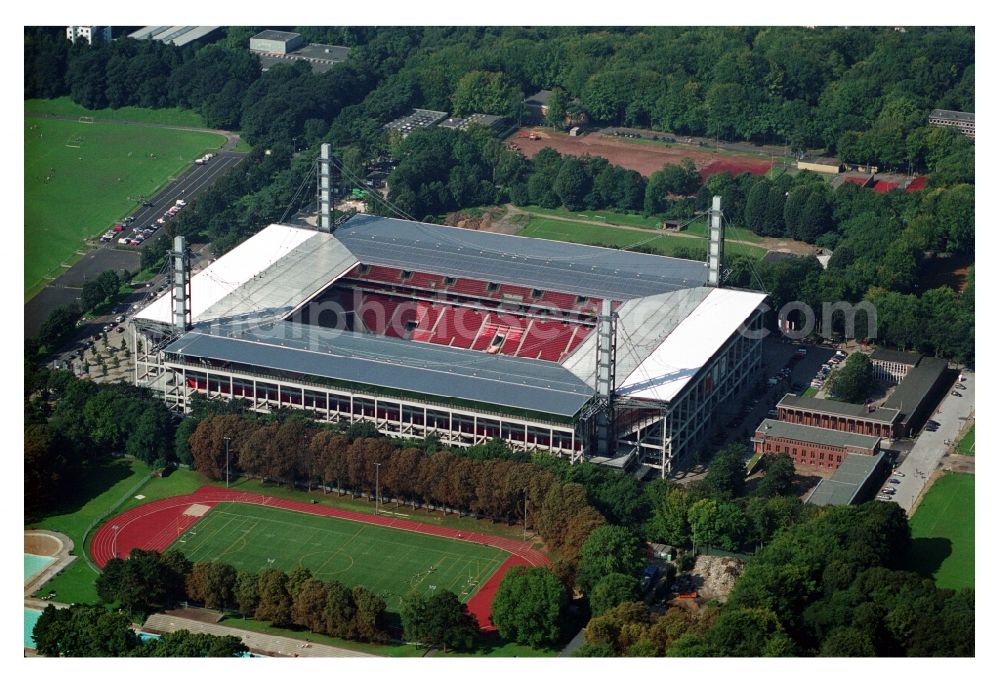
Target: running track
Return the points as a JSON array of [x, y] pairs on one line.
[[155, 525]]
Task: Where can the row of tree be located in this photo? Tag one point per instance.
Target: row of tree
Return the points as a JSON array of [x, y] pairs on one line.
[[147, 581], [293, 452]]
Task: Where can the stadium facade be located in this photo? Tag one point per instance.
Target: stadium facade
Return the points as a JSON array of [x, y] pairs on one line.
[[430, 330]]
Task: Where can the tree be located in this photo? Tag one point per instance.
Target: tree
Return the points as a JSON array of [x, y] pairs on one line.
[[84, 631], [611, 591], [246, 592], [339, 610], [572, 183], [218, 591], [609, 549], [778, 477], [529, 606], [438, 619], [556, 116], [855, 381], [726, 474], [369, 614], [309, 605], [275, 604], [670, 520], [185, 644]]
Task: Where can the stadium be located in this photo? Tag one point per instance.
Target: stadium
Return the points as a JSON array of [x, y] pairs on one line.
[[590, 353]]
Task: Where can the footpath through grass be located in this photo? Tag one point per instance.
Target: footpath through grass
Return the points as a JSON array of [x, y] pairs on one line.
[[79, 178], [64, 105], [944, 532], [605, 235], [967, 446], [388, 561]]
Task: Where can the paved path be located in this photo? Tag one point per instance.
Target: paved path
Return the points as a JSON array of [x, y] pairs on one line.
[[281, 646], [930, 447]]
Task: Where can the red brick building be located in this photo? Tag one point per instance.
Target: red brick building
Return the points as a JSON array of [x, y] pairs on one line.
[[812, 446], [838, 415]]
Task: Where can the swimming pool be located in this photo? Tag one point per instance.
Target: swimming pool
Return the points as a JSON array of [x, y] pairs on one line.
[[34, 564], [30, 618]]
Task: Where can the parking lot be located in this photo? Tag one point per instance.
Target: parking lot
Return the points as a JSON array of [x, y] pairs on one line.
[[922, 456]]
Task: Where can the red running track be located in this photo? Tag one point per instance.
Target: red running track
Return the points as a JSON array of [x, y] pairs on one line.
[[155, 525]]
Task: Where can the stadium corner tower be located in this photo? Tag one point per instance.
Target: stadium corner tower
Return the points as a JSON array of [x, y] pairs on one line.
[[590, 353]]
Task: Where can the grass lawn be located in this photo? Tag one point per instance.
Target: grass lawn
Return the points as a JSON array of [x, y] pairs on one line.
[[598, 217], [101, 487], [80, 178], [967, 446], [810, 392], [178, 117], [603, 235], [944, 532], [390, 562]]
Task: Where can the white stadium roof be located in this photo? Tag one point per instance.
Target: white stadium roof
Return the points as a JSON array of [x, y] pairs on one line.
[[229, 274], [665, 372]]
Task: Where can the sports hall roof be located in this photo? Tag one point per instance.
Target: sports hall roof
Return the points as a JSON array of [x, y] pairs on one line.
[[422, 368]]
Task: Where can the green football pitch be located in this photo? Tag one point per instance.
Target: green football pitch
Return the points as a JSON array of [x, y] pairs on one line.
[[79, 178], [944, 532], [388, 561]]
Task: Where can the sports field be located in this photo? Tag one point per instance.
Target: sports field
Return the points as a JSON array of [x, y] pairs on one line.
[[602, 235], [387, 561], [79, 178], [944, 532]]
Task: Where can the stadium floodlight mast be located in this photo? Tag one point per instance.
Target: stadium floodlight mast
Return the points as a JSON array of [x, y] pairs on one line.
[[377, 465], [524, 532], [226, 439]]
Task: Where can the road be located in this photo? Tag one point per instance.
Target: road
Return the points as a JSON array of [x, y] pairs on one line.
[[110, 256], [925, 454]]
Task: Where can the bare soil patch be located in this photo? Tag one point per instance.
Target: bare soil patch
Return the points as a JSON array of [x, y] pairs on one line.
[[644, 158]]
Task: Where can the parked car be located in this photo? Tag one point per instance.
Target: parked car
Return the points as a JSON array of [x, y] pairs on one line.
[[894, 481], [960, 386], [147, 204], [956, 393], [898, 473]]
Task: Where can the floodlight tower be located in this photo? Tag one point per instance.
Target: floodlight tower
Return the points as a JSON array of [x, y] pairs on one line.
[[180, 296], [323, 188], [716, 243]]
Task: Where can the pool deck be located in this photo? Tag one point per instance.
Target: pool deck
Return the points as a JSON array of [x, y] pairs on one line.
[[62, 559]]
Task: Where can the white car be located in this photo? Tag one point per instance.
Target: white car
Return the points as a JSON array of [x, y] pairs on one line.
[[897, 473]]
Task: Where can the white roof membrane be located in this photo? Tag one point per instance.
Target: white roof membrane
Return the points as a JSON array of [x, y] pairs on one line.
[[663, 374]]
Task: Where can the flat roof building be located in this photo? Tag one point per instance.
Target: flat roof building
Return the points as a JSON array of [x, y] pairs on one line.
[[273, 47], [839, 415], [812, 446], [964, 122], [822, 165], [174, 35], [854, 482], [417, 119], [918, 393]]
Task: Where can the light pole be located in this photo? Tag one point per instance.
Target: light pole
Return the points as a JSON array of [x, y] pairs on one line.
[[524, 532], [226, 439], [377, 465]]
